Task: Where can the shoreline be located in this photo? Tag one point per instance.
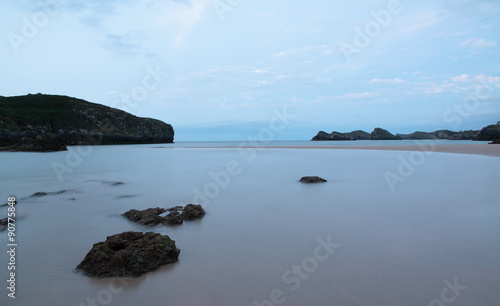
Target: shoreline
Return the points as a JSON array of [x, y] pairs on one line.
[[470, 149]]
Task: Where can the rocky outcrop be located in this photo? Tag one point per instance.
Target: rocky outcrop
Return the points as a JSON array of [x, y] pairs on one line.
[[42, 143], [312, 179], [332, 136], [359, 135], [176, 215], [496, 141], [489, 133], [129, 254], [381, 134], [441, 134], [76, 122]]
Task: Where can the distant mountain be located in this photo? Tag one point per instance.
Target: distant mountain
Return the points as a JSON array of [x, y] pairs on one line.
[[381, 134], [76, 121], [359, 135], [488, 133]]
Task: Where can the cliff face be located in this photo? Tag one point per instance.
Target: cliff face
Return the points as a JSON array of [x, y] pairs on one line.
[[76, 121], [491, 132]]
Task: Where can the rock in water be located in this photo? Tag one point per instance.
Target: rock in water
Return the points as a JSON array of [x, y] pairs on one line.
[[176, 216], [312, 179], [192, 211], [129, 254]]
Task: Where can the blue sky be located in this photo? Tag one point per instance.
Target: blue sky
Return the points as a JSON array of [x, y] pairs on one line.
[[223, 68]]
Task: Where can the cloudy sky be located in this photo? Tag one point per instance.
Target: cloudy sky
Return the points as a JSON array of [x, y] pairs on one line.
[[222, 69]]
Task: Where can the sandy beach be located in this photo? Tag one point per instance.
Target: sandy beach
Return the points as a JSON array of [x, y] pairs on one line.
[[476, 149]]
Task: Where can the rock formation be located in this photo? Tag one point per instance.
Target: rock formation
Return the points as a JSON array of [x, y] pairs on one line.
[[175, 216], [489, 133], [75, 122], [129, 254], [312, 179]]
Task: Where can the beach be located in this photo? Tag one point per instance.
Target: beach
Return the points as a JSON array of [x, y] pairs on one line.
[[266, 239]]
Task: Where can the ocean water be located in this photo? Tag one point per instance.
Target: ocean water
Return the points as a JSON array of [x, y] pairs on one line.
[[428, 236]]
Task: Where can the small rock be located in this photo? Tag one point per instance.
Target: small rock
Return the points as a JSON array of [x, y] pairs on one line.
[[129, 254], [39, 194], [173, 218], [150, 216], [312, 179], [192, 211], [3, 224]]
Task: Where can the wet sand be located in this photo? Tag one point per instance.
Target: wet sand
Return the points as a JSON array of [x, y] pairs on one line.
[[476, 149]]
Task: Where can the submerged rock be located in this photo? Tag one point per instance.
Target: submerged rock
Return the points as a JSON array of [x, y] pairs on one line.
[[129, 254], [3, 224], [312, 179], [176, 216]]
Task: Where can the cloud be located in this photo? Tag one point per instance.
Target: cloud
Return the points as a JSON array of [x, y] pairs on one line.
[[360, 95], [478, 43], [186, 14], [389, 81], [282, 53], [461, 78], [121, 44]]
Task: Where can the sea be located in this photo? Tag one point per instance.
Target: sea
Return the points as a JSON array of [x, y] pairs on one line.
[[388, 228]]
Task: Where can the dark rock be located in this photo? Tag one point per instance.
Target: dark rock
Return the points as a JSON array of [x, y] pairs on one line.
[[441, 134], [496, 141], [150, 216], [489, 133], [3, 224], [129, 254], [192, 211], [76, 122], [42, 194], [312, 179], [173, 218], [42, 143], [359, 135], [176, 216], [381, 134], [321, 136]]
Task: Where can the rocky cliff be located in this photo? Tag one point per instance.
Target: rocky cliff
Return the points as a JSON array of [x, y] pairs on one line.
[[76, 121], [491, 132]]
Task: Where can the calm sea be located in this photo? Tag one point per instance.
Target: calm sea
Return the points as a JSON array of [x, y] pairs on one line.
[[389, 228]]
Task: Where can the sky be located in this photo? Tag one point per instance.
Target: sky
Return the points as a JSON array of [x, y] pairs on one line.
[[281, 70]]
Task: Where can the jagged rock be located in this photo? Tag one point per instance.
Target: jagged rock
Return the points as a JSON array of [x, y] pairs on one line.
[[312, 179], [176, 216], [129, 254], [42, 143]]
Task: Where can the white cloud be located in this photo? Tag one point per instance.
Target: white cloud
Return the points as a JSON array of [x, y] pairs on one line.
[[282, 53], [360, 95], [478, 43], [461, 78], [389, 81]]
